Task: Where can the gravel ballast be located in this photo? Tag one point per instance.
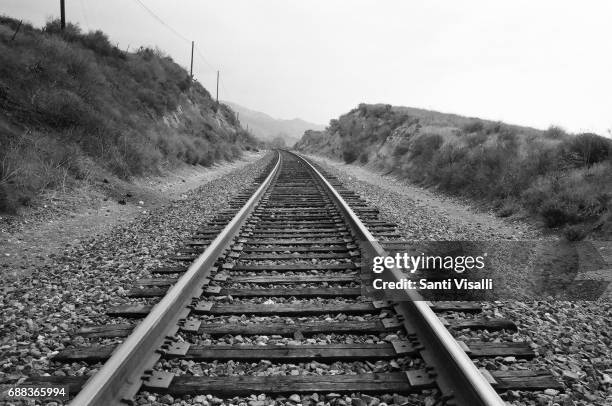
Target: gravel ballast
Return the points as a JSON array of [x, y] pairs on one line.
[[41, 310]]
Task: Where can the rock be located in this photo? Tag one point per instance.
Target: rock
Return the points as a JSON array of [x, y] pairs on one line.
[[358, 402], [370, 400], [166, 400], [571, 375], [201, 399], [551, 392], [295, 398]]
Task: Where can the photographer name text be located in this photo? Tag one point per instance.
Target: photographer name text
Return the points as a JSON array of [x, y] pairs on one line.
[[426, 284]]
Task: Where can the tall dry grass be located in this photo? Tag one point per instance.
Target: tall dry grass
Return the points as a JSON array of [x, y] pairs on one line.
[[73, 107], [564, 179]]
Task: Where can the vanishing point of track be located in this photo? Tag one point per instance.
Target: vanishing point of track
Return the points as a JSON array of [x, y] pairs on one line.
[[289, 248]]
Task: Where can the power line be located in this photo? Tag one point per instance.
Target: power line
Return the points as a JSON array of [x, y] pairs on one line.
[[159, 19], [204, 59], [178, 34]]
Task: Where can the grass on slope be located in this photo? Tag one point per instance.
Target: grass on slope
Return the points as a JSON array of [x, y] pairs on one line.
[[73, 107], [564, 179]]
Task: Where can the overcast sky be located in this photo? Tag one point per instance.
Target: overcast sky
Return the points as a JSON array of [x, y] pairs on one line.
[[524, 62]]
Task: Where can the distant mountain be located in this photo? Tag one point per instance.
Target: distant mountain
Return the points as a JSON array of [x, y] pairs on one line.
[[267, 128]]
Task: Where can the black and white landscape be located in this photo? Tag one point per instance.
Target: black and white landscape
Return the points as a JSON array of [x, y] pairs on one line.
[[192, 196]]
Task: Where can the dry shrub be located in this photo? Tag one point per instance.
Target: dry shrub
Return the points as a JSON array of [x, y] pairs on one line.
[[586, 149], [575, 232], [94, 106], [565, 179], [570, 197], [555, 132], [474, 126]]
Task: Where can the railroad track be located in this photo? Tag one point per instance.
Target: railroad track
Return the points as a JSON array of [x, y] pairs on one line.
[[275, 281]]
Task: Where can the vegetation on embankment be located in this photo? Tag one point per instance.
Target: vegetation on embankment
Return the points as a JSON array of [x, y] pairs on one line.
[[564, 179], [75, 108]]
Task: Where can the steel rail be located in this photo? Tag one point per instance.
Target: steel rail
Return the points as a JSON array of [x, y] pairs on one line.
[[121, 376], [456, 372]]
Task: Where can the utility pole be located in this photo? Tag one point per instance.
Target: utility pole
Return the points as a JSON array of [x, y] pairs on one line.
[[191, 70], [17, 30], [217, 88], [63, 15]]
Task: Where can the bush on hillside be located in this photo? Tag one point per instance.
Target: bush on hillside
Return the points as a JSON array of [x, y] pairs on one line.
[[586, 149], [97, 41], [555, 215], [71, 103], [575, 233], [425, 146], [401, 150], [555, 132], [61, 109], [474, 126], [564, 179], [6, 205], [349, 155]]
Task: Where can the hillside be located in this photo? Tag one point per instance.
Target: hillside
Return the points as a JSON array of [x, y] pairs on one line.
[[564, 179], [74, 108], [268, 128]]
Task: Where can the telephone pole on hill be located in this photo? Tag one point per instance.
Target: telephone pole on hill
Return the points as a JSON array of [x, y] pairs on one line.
[[62, 15], [217, 88], [191, 70], [17, 30]]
